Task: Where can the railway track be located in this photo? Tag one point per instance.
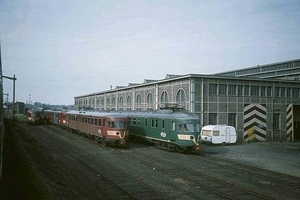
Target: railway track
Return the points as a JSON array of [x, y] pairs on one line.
[[272, 176], [222, 188], [169, 168], [133, 187], [222, 166]]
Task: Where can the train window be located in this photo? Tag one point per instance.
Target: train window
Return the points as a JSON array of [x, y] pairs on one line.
[[173, 125], [163, 124], [82, 119], [146, 122], [154, 123], [138, 121], [99, 122], [89, 120], [75, 118], [95, 122], [134, 121], [92, 121], [85, 120]]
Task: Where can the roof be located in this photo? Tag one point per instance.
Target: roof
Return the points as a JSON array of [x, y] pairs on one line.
[[187, 76]]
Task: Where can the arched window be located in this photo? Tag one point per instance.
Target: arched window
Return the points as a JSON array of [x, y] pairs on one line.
[[107, 102], [139, 99], [121, 103], [181, 96], [150, 98], [129, 99], [113, 102], [121, 100], [101, 104], [164, 97]]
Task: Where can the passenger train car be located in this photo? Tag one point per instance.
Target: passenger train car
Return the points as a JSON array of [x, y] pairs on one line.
[[56, 117], [104, 127], [35, 117], [169, 128]]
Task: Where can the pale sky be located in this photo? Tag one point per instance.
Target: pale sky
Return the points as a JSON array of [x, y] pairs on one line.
[[59, 49]]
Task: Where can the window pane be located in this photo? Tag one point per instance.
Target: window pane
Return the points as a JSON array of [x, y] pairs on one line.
[[212, 88], [222, 89]]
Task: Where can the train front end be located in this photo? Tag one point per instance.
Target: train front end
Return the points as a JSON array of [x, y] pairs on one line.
[[117, 130], [187, 135]]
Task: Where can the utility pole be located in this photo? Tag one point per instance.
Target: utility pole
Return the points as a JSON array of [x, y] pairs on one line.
[[14, 92]]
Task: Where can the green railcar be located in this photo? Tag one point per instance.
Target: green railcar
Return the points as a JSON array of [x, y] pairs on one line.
[[171, 129]]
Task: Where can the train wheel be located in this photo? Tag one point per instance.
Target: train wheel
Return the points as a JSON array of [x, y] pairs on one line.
[[179, 149]]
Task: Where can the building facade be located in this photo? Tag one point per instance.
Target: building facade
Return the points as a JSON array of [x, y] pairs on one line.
[[259, 108]]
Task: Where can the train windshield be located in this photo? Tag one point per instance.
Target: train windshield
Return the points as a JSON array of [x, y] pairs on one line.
[[117, 124], [189, 127]]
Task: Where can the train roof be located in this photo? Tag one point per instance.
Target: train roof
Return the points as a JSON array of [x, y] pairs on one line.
[[162, 113], [96, 113]]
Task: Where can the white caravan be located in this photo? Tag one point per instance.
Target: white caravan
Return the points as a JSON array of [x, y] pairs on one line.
[[218, 134]]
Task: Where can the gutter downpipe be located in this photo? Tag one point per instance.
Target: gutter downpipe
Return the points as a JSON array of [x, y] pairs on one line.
[[202, 103]]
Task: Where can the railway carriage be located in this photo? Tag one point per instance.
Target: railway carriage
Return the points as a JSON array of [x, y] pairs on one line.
[[171, 128], [107, 128], [56, 117], [35, 117]]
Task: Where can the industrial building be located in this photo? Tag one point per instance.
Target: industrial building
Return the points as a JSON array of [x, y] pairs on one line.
[[262, 102]]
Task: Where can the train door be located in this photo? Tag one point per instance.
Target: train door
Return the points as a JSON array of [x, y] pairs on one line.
[[55, 120], [102, 130]]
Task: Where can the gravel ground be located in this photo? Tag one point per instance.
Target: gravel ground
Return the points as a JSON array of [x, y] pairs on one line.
[[32, 170], [281, 157]]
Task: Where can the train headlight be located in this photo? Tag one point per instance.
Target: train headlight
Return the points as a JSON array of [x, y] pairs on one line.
[[191, 137], [118, 133]]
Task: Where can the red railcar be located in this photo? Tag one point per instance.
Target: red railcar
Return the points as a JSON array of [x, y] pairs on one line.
[[35, 117], [104, 127], [56, 117]]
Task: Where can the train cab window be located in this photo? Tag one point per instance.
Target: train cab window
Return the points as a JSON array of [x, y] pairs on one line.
[[99, 122], [146, 122], [163, 124], [89, 120], [92, 121], [111, 124], [182, 127]]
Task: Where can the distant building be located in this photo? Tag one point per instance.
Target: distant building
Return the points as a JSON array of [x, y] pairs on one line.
[[19, 108]]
